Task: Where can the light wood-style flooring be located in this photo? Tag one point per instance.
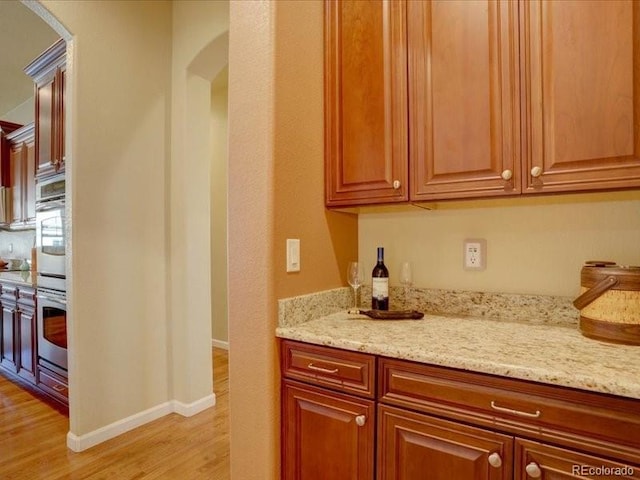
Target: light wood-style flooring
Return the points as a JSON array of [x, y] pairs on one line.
[[33, 441]]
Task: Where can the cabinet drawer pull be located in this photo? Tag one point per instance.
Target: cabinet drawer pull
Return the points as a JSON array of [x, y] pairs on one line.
[[58, 388], [361, 420], [514, 412], [495, 460], [533, 470], [311, 366]]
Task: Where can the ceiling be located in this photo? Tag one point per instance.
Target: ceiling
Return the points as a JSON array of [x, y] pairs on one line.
[[23, 36]]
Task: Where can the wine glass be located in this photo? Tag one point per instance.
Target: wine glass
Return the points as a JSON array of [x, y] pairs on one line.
[[354, 277], [406, 279]]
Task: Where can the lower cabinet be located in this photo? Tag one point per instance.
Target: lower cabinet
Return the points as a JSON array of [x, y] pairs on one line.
[[27, 331], [438, 423], [537, 460], [19, 344], [9, 330], [327, 435], [413, 446]]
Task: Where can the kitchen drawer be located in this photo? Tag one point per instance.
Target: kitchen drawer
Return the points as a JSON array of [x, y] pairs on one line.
[[342, 370], [601, 423], [53, 384]]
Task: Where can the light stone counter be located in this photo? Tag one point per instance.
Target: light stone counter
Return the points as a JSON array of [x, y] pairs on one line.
[[549, 352]]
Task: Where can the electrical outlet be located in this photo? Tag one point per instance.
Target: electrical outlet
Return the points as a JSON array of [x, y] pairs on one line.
[[475, 254]]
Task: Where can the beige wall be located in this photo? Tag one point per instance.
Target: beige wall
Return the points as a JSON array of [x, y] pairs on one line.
[[534, 246], [328, 240], [275, 192], [219, 162], [22, 114], [118, 153]]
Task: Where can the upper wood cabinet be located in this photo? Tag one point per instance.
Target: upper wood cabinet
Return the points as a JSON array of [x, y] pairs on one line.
[[497, 98], [581, 84], [22, 167], [5, 129], [366, 136], [48, 72], [464, 113]]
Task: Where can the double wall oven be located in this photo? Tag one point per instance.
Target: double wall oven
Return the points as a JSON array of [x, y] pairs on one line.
[[51, 281]]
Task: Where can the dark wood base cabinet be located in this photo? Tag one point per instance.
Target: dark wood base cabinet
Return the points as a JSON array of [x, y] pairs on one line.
[[19, 347], [437, 423]]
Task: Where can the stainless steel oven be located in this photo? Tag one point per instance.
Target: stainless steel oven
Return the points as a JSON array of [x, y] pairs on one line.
[[52, 330], [50, 233]]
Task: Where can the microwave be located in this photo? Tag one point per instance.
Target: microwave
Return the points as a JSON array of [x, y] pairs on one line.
[[50, 189]]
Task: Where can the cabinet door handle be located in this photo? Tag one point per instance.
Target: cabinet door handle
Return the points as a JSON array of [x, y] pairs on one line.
[[396, 184], [536, 172], [514, 412], [361, 420], [507, 174], [533, 470], [495, 460], [311, 366]]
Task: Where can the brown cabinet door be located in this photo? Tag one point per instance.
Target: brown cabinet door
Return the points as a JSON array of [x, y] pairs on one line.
[[412, 446], [536, 460], [366, 137], [17, 164], [59, 158], [29, 197], [26, 320], [46, 101], [581, 81], [326, 435], [8, 333], [463, 99], [22, 176]]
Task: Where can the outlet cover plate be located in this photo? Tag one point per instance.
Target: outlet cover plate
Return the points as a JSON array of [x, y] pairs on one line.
[[474, 255]]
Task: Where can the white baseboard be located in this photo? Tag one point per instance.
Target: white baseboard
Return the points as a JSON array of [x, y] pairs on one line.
[[220, 344], [83, 442], [190, 409]]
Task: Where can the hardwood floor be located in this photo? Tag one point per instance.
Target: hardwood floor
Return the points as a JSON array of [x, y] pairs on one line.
[[33, 441]]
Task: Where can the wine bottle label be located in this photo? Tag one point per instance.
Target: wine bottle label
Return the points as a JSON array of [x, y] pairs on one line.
[[380, 288]]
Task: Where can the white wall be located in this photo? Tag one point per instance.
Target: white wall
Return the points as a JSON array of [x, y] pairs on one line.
[[535, 246]]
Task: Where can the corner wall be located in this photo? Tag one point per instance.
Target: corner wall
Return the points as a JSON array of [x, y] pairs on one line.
[[276, 191]]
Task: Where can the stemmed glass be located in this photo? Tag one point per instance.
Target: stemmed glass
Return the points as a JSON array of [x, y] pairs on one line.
[[406, 279], [354, 277]]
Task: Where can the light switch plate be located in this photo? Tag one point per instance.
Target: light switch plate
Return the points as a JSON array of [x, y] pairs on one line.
[[293, 254]]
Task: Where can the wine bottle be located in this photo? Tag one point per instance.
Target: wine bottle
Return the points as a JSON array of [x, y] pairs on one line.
[[380, 284]]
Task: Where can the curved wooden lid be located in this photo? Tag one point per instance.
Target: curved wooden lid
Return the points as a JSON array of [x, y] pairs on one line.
[[595, 271]]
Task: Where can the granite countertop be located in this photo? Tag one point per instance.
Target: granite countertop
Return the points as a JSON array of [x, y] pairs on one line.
[[548, 352]]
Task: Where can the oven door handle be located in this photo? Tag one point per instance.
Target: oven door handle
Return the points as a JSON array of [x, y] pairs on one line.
[[52, 299], [50, 205]]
